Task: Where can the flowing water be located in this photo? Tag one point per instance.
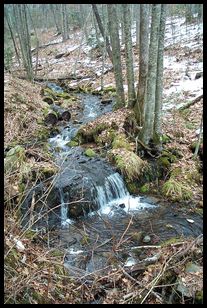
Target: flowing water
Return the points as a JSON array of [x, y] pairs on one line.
[[90, 239]]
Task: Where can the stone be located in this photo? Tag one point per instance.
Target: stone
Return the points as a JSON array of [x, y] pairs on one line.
[[146, 239], [122, 205]]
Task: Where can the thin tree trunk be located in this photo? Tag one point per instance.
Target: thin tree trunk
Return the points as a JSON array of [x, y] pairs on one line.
[[159, 83], [101, 28], [55, 18], [12, 36], [81, 42], [147, 131], [116, 53], [129, 54], [24, 37], [138, 25], [143, 64]]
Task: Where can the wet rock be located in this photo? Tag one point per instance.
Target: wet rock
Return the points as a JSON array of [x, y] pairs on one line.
[[198, 75], [122, 205], [74, 186], [146, 239]]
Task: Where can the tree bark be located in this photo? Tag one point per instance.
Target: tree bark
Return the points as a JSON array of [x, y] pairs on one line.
[[129, 54], [101, 28], [143, 64], [159, 81], [12, 35], [147, 131], [116, 53], [55, 18], [138, 25]]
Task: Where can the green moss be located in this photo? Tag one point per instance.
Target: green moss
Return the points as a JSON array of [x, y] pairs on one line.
[[89, 134], [165, 139], [72, 143], [132, 187], [90, 153], [190, 125], [176, 191], [49, 92], [164, 161], [145, 188], [199, 297], [121, 142], [42, 133], [109, 89], [14, 158]]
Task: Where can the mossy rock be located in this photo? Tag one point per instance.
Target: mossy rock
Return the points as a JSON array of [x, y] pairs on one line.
[[72, 143], [145, 188], [132, 187], [49, 92], [129, 164], [89, 134], [90, 153], [176, 191]]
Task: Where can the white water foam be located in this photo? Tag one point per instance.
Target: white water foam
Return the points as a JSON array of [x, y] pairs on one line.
[[113, 196]]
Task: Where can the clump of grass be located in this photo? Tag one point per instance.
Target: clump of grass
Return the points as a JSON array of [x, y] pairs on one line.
[[129, 164], [176, 191]]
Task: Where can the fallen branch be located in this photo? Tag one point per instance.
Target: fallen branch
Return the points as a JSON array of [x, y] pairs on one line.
[[191, 102]]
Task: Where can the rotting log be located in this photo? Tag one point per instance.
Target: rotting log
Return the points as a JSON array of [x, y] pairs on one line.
[[48, 99], [71, 77], [51, 118]]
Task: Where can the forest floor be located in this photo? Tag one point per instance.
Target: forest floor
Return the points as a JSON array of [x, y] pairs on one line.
[[34, 273]]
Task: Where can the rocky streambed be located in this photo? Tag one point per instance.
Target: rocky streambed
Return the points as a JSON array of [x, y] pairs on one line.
[[98, 222]]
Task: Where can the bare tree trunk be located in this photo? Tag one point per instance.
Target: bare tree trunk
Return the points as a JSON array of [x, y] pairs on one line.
[[65, 26], [159, 83], [24, 37], [137, 25], [129, 54], [101, 28], [147, 130], [143, 64], [12, 35], [116, 53], [55, 18]]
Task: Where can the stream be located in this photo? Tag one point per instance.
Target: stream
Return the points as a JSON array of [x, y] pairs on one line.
[[98, 221]]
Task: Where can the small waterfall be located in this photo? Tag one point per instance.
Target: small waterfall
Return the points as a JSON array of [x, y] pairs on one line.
[[113, 188], [63, 210], [114, 195]]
